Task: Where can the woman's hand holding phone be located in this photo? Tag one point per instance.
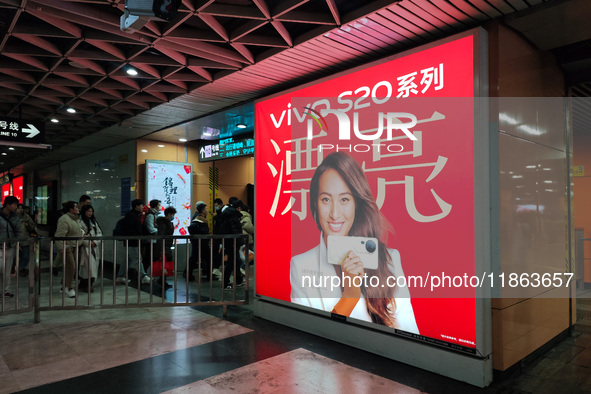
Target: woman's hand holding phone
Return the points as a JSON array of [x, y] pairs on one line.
[[351, 266]]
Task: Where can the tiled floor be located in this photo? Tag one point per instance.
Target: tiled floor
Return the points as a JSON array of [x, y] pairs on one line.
[[196, 350]]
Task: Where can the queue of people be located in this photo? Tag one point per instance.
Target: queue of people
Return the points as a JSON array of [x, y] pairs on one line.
[[78, 220], [231, 218]]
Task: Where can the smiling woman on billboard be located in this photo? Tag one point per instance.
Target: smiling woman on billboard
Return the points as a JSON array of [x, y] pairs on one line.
[[351, 272]]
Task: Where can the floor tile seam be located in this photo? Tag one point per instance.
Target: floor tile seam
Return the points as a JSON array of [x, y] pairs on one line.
[[170, 357]]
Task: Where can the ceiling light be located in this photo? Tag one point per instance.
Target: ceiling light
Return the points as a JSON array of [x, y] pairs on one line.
[[131, 71], [241, 125], [4, 153], [160, 146], [11, 148], [54, 120], [145, 150], [182, 139], [71, 110]]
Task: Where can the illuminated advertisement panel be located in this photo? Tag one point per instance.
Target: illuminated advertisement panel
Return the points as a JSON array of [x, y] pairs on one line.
[[365, 196], [5, 190], [17, 188], [172, 184]]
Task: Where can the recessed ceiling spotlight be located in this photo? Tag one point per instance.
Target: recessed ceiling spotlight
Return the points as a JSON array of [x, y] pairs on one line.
[[71, 110], [241, 125], [54, 120], [145, 150], [160, 146], [131, 71], [4, 153], [182, 139], [11, 148]]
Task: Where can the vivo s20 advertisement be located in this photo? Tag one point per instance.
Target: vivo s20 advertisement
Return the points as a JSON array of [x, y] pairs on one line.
[[365, 195]]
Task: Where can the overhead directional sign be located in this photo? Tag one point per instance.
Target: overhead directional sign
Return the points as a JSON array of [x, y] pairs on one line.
[[21, 130], [226, 148]]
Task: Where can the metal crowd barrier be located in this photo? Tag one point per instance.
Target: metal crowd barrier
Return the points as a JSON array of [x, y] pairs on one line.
[[41, 289]]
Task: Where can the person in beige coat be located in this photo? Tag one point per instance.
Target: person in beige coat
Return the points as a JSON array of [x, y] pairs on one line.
[[68, 225]]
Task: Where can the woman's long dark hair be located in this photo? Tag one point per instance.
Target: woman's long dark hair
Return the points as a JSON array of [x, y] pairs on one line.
[[369, 222], [88, 221]]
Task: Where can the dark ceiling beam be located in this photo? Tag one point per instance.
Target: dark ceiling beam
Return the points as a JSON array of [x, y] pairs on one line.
[[107, 48], [55, 20], [269, 41], [148, 69], [88, 64], [40, 42], [193, 61], [286, 6], [280, 27], [10, 28], [94, 55], [244, 51], [79, 79], [13, 86], [233, 11], [63, 89], [334, 10], [246, 28], [175, 57], [40, 30], [31, 61], [263, 7], [196, 34], [23, 76], [202, 72], [316, 18], [187, 48], [215, 26], [114, 93]]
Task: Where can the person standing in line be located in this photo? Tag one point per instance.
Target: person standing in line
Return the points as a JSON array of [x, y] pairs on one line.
[[229, 223], [150, 228], [132, 226], [165, 227], [6, 248], [68, 225], [246, 222], [84, 200], [199, 226], [23, 226], [216, 249], [90, 249]]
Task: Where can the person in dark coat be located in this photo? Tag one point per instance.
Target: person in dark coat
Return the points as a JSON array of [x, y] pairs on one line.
[[228, 222], [132, 226], [199, 226]]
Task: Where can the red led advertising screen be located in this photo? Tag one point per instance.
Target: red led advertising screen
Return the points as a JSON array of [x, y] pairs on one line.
[[17, 188], [365, 195], [5, 190]]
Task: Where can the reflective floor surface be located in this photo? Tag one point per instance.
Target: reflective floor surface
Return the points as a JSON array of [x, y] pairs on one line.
[[197, 350]]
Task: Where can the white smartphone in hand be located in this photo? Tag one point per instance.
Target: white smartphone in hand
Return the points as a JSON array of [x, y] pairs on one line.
[[365, 247]]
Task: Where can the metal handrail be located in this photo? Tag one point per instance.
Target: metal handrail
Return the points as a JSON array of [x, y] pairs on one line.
[[42, 286]]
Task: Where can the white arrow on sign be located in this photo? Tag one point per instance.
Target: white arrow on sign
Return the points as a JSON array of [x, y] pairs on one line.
[[202, 150], [31, 131]]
